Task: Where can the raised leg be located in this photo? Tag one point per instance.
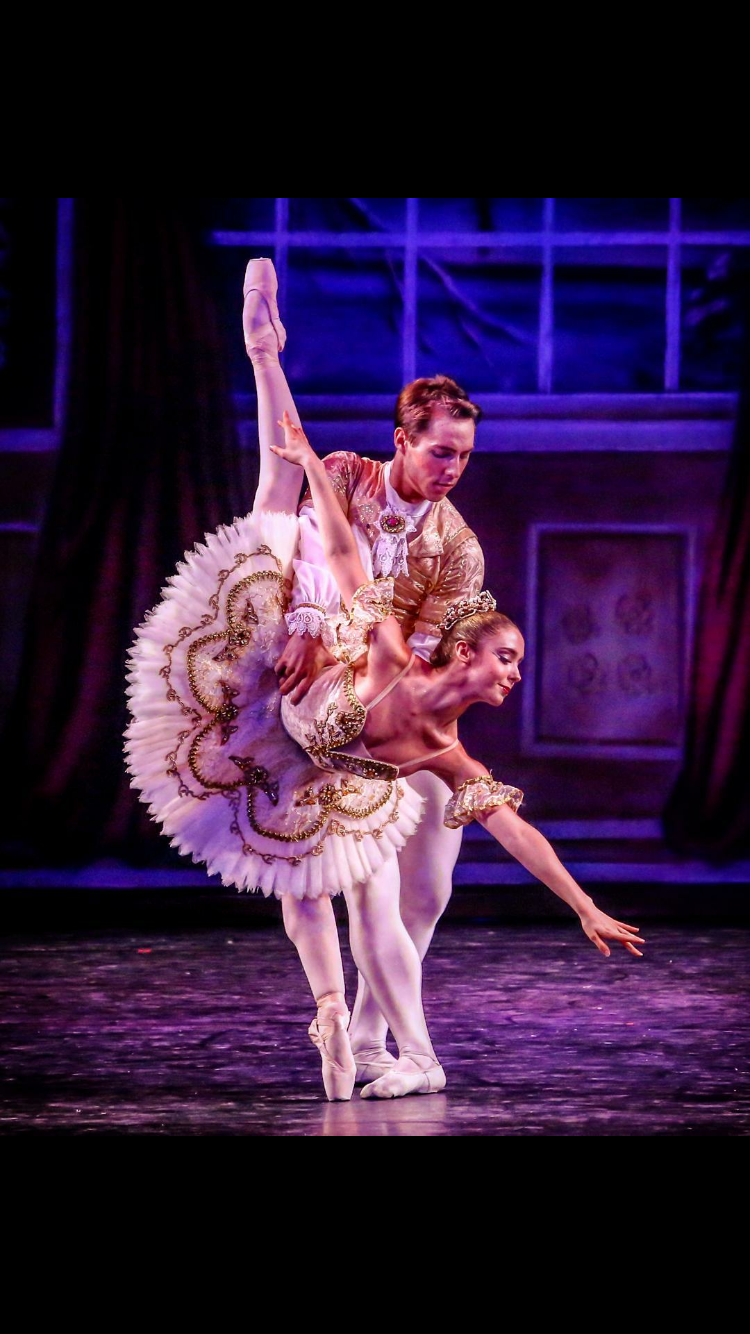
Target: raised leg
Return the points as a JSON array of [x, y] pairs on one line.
[[426, 866], [279, 482]]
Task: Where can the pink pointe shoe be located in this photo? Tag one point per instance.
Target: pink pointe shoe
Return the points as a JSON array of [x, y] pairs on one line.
[[328, 1031], [263, 330]]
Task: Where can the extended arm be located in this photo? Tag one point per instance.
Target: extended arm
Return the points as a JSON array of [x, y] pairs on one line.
[[339, 544], [532, 850], [478, 797]]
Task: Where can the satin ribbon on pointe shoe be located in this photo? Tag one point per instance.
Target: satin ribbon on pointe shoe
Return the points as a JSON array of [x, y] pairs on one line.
[[372, 1062], [400, 1083]]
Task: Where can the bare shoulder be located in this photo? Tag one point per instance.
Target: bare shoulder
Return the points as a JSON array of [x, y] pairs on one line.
[[456, 766]]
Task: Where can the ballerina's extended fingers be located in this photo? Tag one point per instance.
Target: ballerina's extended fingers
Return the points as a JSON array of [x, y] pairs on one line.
[[288, 425], [600, 945], [611, 929], [296, 447]]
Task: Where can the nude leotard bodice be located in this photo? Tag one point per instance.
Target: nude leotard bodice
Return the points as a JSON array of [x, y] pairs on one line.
[[329, 721]]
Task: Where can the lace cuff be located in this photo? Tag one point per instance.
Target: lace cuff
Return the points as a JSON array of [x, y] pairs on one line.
[[307, 618], [346, 635], [477, 795]]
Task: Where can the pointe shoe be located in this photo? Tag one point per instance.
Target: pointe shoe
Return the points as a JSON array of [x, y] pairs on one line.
[[372, 1062], [408, 1076], [328, 1031], [267, 336]]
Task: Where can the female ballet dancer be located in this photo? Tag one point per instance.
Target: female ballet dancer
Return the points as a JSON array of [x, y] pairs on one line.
[[194, 707]]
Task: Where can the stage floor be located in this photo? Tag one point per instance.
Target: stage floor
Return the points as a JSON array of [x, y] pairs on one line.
[[204, 1032]]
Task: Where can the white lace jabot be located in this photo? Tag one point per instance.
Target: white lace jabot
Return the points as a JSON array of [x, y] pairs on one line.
[[400, 517]]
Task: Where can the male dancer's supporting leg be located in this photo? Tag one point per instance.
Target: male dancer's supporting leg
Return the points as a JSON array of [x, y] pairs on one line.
[[426, 865], [385, 954]]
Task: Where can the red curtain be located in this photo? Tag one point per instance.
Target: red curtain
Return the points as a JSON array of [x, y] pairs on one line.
[[708, 811], [148, 463]]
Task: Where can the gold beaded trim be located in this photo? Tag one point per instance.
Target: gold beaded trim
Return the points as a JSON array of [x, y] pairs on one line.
[[223, 715], [328, 798], [236, 637], [337, 728], [334, 827], [358, 707], [207, 619], [254, 777], [364, 766], [480, 778]]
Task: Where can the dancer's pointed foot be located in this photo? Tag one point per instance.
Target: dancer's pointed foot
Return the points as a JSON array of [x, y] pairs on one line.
[[414, 1072], [265, 335], [328, 1031], [372, 1061]]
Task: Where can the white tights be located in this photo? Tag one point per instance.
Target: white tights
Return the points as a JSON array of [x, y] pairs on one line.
[[381, 947], [426, 865]]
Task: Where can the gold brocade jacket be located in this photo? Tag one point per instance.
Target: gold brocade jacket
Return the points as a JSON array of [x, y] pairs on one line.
[[444, 557]]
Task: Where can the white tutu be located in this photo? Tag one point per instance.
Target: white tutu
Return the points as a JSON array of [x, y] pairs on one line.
[[206, 747]]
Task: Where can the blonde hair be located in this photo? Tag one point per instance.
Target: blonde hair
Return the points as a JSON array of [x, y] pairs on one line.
[[472, 630]]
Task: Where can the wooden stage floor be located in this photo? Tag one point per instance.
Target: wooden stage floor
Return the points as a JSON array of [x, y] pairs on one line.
[[202, 1031]]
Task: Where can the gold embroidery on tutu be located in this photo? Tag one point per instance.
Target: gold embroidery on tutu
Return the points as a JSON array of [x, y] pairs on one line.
[[234, 636], [210, 681]]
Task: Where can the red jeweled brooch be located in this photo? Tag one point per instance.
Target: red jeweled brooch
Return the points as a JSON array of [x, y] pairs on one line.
[[392, 523]]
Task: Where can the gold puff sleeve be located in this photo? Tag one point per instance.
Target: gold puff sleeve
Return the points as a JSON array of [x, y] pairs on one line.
[[346, 635], [462, 576], [477, 795]]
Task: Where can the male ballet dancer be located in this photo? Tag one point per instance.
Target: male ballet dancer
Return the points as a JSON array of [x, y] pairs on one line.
[[404, 526]]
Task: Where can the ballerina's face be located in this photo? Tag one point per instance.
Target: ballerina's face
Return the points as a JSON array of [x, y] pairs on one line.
[[429, 466], [494, 664]]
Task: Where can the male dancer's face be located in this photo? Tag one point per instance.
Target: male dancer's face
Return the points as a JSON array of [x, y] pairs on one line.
[[428, 466]]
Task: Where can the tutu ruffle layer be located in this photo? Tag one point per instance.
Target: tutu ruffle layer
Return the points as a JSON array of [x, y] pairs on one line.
[[206, 748]]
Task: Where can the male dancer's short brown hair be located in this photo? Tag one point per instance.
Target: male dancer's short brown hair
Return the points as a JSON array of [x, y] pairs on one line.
[[418, 400]]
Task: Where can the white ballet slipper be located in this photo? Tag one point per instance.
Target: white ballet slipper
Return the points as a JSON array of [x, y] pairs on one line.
[[372, 1062], [408, 1075]]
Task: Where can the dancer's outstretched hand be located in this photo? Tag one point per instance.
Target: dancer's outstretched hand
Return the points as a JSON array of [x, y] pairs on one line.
[[598, 925], [296, 447]]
